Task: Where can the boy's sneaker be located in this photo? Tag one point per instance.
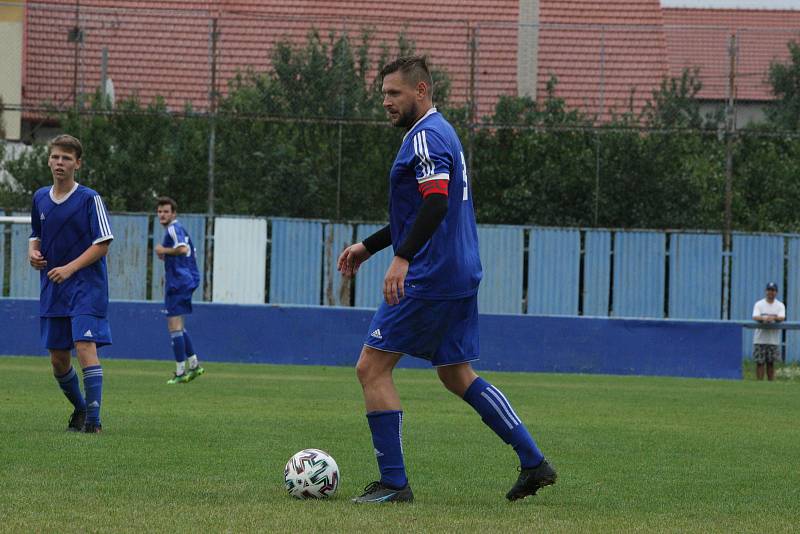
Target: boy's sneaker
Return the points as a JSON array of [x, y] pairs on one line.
[[76, 421], [530, 480], [377, 492], [91, 428], [194, 373], [179, 379]]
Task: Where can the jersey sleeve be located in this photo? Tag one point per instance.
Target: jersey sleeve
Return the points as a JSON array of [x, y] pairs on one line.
[[36, 223], [756, 310], [176, 236], [432, 163], [99, 225]]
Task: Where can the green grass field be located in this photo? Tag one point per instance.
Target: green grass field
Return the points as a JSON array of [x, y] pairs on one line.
[[633, 453]]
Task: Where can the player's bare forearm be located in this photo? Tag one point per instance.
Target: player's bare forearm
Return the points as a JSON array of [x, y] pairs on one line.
[[35, 257], [351, 259], [395, 280], [89, 256], [167, 251]]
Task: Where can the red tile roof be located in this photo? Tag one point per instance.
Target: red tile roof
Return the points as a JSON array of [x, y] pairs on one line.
[[604, 54], [165, 50], [701, 37]]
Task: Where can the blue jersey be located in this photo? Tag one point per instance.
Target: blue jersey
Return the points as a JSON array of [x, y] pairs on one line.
[[180, 272], [66, 228], [448, 266]]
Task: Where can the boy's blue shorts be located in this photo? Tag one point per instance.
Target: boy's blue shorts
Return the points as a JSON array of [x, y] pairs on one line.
[[61, 333], [178, 303], [444, 332]]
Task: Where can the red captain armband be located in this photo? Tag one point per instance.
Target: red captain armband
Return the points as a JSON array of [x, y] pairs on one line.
[[431, 187]]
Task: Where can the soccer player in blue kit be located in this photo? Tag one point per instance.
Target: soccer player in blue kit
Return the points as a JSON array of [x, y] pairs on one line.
[[181, 278], [70, 239], [430, 289]]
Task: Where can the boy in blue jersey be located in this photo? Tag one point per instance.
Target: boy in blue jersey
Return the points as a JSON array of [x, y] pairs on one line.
[[430, 289], [68, 244], [181, 278]]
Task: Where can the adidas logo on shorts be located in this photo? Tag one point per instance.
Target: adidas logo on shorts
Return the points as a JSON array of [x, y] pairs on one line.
[[377, 334], [88, 333]]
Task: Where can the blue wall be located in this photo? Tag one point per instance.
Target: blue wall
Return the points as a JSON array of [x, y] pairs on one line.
[[333, 336]]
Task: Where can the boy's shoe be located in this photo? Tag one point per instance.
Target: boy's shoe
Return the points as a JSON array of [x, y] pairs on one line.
[[179, 379], [376, 492], [76, 421], [91, 428], [194, 373], [530, 480]]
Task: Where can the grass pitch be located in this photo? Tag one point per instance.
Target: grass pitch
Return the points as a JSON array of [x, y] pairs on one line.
[[633, 453]]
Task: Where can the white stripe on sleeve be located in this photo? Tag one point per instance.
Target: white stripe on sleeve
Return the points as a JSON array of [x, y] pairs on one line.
[[420, 149], [102, 217]]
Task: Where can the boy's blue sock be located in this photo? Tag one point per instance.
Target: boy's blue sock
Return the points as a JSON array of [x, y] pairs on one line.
[[497, 413], [387, 435], [187, 342], [178, 345], [93, 385], [72, 389]]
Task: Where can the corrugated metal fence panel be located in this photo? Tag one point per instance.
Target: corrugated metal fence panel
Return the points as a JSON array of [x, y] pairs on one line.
[[195, 225], [596, 272], [295, 262], [501, 250], [23, 279], [127, 258], [240, 260], [337, 287], [369, 279], [695, 276], [792, 296], [554, 260], [639, 274], [757, 259]]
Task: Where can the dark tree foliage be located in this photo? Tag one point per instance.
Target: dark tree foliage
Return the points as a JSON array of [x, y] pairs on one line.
[[785, 81]]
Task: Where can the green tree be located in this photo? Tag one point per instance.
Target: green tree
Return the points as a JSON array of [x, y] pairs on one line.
[[785, 81], [310, 133], [131, 155]]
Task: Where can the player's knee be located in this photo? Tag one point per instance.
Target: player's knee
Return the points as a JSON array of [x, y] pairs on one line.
[[364, 371], [60, 360]]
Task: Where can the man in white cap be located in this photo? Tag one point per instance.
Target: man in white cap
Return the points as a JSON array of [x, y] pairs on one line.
[[767, 341]]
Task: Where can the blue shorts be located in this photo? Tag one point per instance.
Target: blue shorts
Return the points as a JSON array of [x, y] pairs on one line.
[[61, 333], [178, 303], [444, 332]]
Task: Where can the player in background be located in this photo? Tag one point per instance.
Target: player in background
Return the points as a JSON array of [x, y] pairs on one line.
[[181, 278], [430, 289], [68, 244]]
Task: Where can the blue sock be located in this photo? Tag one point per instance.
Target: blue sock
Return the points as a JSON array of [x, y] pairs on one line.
[[387, 434], [93, 385], [178, 345], [187, 342], [498, 415], [72, 389]]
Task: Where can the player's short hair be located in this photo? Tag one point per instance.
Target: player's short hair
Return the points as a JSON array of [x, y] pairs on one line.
[[163, 201], [413, 68], [68, 143]]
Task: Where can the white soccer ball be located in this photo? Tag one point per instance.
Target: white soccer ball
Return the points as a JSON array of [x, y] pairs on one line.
[[311, 474]]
